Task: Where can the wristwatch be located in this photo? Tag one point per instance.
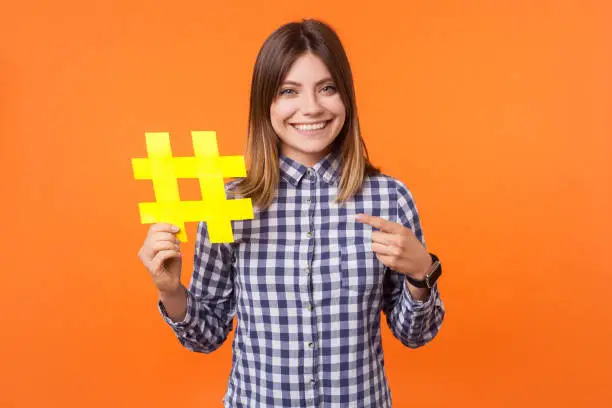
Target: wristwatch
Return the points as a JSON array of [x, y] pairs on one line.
[[431, 277]]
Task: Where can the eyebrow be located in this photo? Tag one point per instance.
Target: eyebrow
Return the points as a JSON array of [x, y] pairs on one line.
[[328, 79]]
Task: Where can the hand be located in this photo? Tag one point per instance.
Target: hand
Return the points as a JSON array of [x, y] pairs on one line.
[[397, 247], [161, 255]]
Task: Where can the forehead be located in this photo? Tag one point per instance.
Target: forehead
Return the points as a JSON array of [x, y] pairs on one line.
[[308, 68]]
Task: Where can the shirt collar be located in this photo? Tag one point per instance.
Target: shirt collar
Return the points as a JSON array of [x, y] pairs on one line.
[[327, 169]]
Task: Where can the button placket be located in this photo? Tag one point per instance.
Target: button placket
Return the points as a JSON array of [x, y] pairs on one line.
[[310, 320]]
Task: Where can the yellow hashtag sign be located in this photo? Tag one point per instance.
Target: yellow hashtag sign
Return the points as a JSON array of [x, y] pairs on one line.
[[207, 166]]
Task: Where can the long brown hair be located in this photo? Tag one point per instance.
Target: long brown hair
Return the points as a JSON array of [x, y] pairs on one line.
[[275, 58]]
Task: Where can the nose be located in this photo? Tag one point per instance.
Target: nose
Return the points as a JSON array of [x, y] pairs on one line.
[[311, 105]]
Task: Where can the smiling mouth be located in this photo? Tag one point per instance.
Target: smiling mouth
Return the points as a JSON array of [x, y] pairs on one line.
[[310, 127]]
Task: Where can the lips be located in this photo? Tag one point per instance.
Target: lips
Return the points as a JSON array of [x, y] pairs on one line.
[[310, 127]]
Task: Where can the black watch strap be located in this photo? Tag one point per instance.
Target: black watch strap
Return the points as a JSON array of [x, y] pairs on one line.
[[431, 277]]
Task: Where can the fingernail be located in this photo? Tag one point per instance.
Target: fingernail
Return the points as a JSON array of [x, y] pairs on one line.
[[175, 228]]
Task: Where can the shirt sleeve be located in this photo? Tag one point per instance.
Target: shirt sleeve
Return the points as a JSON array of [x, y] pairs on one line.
[[411, 321], [210, 297]]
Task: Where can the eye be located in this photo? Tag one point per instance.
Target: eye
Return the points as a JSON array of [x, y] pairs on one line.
[[286, 91], [329, 89]]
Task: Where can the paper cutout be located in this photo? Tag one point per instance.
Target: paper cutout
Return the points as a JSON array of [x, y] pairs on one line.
[[207, 166]]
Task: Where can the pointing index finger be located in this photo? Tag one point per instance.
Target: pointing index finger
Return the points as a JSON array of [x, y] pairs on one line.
[[379, 223]]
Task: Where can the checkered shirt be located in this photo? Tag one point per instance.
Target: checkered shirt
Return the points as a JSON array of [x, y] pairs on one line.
[[308, 292]]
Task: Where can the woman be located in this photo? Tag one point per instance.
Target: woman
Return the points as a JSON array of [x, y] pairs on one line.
[[333, 243]]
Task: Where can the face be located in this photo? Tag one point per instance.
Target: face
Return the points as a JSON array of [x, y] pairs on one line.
[[307, 113]]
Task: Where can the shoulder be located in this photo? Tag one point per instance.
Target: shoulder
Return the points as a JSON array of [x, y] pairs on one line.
[[388, 185]]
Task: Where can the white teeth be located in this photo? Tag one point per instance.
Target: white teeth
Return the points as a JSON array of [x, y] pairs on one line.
[[315, 126]]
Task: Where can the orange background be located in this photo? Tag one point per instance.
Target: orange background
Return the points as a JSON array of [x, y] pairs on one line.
[[496, 114]]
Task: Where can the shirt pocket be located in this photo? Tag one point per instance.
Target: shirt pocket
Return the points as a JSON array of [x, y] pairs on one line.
[[361, 271]]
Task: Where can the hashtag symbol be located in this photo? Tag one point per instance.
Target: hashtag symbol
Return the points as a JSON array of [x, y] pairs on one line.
[[207, 166]]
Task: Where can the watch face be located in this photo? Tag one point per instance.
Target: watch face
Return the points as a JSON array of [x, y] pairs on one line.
[[434, 275]]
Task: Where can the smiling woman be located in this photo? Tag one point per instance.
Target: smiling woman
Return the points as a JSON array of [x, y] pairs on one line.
[[308, 276]]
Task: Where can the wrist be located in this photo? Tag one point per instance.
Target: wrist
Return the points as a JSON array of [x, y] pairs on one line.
[[165, 295], [430, 276], [424, 269], [420, 294]]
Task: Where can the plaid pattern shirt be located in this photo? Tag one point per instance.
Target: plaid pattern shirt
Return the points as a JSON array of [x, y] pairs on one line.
[[308, 292]]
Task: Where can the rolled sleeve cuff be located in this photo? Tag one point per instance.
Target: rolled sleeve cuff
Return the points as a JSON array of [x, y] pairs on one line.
[[189, 317], [419, 306]]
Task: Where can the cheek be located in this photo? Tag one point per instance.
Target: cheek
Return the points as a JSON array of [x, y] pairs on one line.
[[336, 106], [281, 111]]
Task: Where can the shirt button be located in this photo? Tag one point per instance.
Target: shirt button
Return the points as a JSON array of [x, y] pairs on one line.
[[310, 307], [311, 345], [308, 201], [309, 234], [312, 380]]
